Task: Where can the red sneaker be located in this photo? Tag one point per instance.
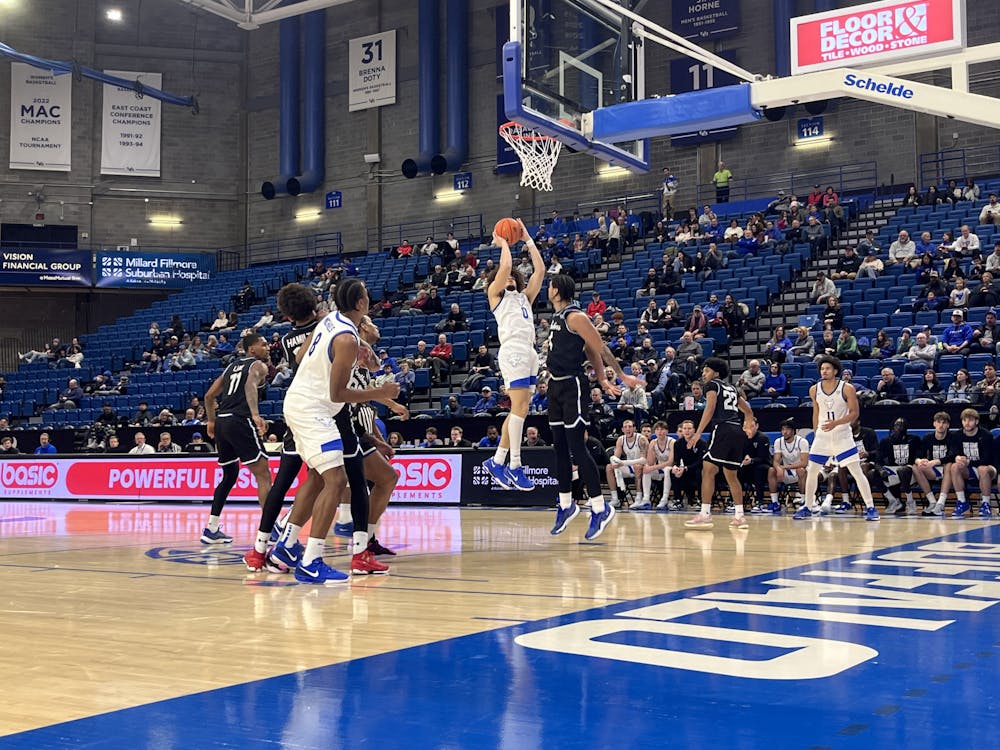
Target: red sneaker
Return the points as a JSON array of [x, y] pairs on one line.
[[364, 563], [377, 549], [254, 560]]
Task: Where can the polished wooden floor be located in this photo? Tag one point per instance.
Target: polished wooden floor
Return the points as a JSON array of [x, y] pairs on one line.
[[110, 606]]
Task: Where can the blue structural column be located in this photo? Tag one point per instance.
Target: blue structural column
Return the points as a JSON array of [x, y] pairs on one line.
[[457, 55], [314, 105], [783, 11], [428, 89], [824, 5], [289, 119]]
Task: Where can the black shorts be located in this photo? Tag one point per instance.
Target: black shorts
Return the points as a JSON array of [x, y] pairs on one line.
[[364, 442], [238, 440], [568, 399], [727, 446], [348, 435], [288, 443]]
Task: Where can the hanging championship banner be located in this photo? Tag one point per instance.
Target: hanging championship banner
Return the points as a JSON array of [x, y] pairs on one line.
[[130, 136], [41, 119], [371, 71]]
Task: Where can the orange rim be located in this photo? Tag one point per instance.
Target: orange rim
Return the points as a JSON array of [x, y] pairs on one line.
[[507, 127]]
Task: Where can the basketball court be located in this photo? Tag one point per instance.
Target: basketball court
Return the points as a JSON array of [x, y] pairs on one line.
[[122, 630]]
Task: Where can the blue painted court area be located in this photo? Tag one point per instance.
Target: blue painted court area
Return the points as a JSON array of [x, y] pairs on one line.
[[896, 648]]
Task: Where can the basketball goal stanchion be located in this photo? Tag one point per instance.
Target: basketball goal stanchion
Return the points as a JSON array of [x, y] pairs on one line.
[[538, 154]]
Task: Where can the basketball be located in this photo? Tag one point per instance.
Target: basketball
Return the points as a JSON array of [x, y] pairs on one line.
[[509, 229]]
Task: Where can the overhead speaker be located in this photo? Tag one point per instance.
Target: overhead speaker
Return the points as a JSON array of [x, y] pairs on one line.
[[816, 108], [774, 114]]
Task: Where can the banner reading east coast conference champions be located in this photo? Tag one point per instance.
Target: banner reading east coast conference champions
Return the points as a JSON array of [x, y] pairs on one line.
[[130, 135], [168, 270], [41, 119]]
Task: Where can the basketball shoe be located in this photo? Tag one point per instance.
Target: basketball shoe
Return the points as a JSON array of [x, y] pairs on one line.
[[960, 509], [318, 572], [700, 521], [563, 517], [871, 514], [215, 537], [599, 522], [344, 529], [364, 563], [254, 560], [739, 522], [282, 559], [519, 480], [376, 548], [498, 472]]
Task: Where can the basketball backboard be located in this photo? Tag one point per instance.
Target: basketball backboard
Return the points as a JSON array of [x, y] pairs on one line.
[[566, 59]]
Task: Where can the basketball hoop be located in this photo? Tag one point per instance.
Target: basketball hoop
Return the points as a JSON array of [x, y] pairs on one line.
[[538, 154]]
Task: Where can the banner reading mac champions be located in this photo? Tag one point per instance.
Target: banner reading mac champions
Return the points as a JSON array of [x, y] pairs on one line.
[[148, 269], [41, 119], [876, 33], [130, 133]]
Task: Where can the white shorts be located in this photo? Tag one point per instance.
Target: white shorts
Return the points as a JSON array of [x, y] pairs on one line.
[[837, 444], [518, 366], [790, 477], [318, 440]]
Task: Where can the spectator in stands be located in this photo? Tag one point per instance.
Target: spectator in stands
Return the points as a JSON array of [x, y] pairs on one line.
[[245, 298], [960, 390], [430, 439], [633, 403], [491, 439], [733, 232], [847, 265], [933, 295], [721, 180], [847, 345], [932, 197], [539, 403], [69, 397], [986, 294], [986, 337], [906, 342], [72, 357], [33, 355], [822, 290], [221, 323], [779, 205], [815, 234], [8, 447], [971, 190], [486, 402], [903, 250], [142, 448], [440, 357], [832, 210], [697, 323], [956, 338], [751, 381], [451, 242], [948, 245], [921, 351], [776, 382], [266, 320], [483, 366], [690, 353], [991, 211], [622, 350], [405, 250], [747, 244], [959, 296], [454, 321], [645, 351], [967, 243], [672, 315], [421, 356], [166, 444], [713, 231], [706, 216], [44, 446], [827, 345], [457, 440], [197, 445], [190, 420], [912, 197], [406, 379], [930, 387], [439, 276], [882, 347], [183, 360], [597, 306], [925, 246], [165, 419], [198, 349], [890, 388], [652, 316], [108, 417], [778, 346], [697, 395], [987, 389], [143, 416], [429, 247], [225, 348], [804, 345], [433, 306], [993, 259]]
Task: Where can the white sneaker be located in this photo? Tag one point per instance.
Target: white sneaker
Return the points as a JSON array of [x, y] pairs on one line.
[[615, 502], [641, 504], [911, 507], [893, 506], [663, 504]]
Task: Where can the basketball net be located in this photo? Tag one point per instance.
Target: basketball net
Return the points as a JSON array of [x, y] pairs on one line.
[[538, 154]]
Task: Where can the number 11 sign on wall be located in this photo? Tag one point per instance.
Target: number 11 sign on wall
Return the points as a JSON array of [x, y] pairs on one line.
[[371, 71]]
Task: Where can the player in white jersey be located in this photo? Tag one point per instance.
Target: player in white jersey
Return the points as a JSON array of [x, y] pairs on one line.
[[325, 439], [628, 460], [511, 300], [791, 455], [659, 461], [835, 407]]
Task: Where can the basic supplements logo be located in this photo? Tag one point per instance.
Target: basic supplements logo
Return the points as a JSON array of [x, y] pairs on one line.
[[428, 478], [28, 475], [886, 30]]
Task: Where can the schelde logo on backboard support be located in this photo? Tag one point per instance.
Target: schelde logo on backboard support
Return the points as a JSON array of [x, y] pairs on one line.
[[28, 475]]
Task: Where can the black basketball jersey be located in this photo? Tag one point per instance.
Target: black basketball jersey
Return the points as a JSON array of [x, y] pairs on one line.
[[233, 400], [936, 449], [363, 412], [566, 350], [727, 409], [295, 338]]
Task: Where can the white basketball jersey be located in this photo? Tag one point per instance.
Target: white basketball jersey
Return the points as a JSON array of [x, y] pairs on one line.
[[662, 454], [831, 406], [632, 451], [515, 323], [790, 452], [309, 392]]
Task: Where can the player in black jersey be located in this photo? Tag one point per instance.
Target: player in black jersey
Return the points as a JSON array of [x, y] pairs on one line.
[[238, 427], [572, 339], [932, 465], [723, 405], [972, 452], [296, 302]]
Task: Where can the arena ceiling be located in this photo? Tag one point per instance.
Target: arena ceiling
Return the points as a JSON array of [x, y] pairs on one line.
[[252, 14]]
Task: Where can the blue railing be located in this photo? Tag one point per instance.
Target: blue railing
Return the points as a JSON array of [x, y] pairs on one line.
[[847, 179], [937, 167], [465, 227], [260, 252], [634, 204]]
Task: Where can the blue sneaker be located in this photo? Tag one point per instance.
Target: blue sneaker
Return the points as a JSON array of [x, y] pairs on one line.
[[344, 529], [282, 559], [960, 509], [984, 509], [802, 513], [563, 517], [599, 521], [498, 472], [871, 514], [320, 573], [215, 537], [774, 508], [843, 507], [517, 479], [276, 534]]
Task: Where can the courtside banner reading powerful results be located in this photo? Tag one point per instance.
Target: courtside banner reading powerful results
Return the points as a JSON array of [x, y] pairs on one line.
[[46, 268], [147, 269], [876, 33], [424, 478]]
